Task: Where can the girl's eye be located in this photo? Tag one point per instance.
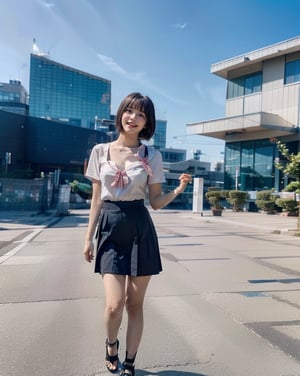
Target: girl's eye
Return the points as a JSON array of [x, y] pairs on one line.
[[138, 113]]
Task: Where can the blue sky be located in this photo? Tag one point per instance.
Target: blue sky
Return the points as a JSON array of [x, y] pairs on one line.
[[162, 48]]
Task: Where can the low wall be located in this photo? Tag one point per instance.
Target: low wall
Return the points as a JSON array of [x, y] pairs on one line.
[[23, 194]]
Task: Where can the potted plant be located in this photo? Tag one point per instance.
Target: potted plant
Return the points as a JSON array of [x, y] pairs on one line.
[[237, 199], [289, 205], [265, 200], [215, 197]]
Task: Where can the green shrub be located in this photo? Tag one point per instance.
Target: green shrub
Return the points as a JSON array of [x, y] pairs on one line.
[[214, 198], [287, 205], [265, 200], [236, 199]]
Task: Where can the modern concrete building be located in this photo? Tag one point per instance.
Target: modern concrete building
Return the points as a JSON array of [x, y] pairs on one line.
[[262, 103], [170, 155], [61, 93], [14, 97]]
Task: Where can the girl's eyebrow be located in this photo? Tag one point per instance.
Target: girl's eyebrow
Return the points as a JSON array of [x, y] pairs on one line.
[[135, 109]]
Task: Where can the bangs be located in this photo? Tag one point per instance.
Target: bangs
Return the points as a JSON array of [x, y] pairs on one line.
[[139, 104]]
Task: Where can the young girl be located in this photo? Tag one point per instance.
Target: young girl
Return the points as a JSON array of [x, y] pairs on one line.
[[122, 173]]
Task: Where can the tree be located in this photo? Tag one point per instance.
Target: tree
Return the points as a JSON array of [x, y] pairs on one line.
[[291, 165]]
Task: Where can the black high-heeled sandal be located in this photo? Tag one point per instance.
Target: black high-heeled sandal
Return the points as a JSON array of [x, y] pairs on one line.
[[112, 358], [128, 366]]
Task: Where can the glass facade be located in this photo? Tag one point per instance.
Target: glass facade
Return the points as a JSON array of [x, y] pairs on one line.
[[169, 155], [9, 97], [61, 93], [249, 165], [249, 84], [159, 138], [292, 72]]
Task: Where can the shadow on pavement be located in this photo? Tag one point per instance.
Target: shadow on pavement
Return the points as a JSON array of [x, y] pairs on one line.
[[39, 219], [168, 373]]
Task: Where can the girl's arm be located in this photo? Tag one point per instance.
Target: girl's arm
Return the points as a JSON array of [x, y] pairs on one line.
[[158, 199], [96, 204]]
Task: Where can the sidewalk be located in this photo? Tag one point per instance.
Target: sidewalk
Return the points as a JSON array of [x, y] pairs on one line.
[[275, 223]]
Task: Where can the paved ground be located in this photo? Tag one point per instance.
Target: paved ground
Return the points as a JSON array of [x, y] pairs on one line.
[[237, 282], [14, 224]]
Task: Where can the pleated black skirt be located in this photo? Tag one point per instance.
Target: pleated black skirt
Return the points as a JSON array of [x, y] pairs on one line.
[[126, 240]]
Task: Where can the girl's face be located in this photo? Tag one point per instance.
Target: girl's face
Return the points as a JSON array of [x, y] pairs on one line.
[[133, 121]]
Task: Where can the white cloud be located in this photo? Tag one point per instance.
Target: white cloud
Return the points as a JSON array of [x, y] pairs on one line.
[[180, 26], [139, 77], [115, 67], [48, 5], [200, 90]]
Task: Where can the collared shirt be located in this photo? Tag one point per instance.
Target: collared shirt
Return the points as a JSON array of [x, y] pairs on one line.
[[128, 184]]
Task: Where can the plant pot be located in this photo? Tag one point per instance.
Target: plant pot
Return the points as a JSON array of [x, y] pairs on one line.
[[217, 212], [288, 214]]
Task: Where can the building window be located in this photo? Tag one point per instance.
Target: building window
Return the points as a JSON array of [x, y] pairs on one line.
[[244, 85], [250, 165], [292, 72]]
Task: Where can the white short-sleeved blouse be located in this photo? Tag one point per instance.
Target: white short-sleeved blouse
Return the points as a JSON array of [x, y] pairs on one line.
[[131, 183]]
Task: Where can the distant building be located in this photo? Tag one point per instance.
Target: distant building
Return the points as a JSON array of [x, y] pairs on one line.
[[14, 97], [262, 103], [197, 169], [107, 126], [38, 145], [65, 94], [160, 136], [173, 155]]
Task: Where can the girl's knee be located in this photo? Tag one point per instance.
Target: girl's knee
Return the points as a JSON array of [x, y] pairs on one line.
[[114, 310], [134, 308]]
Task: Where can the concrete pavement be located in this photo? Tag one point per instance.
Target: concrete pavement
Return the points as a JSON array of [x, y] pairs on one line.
[[14, 224], [230, 276]]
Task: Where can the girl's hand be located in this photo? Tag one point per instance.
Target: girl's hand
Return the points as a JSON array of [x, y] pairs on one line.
[[88, 251], [184, 180]]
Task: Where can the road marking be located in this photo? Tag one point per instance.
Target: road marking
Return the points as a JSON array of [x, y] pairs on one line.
[[22, 244]]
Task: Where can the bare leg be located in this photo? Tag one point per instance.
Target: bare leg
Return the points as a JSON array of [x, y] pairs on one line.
[[135, 292], [114, 286]]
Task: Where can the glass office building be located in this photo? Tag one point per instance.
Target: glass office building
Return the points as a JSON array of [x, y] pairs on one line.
[[159, 138], [62, 93]]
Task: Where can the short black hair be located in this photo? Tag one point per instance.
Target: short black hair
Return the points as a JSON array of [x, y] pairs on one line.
[[142, 103]]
